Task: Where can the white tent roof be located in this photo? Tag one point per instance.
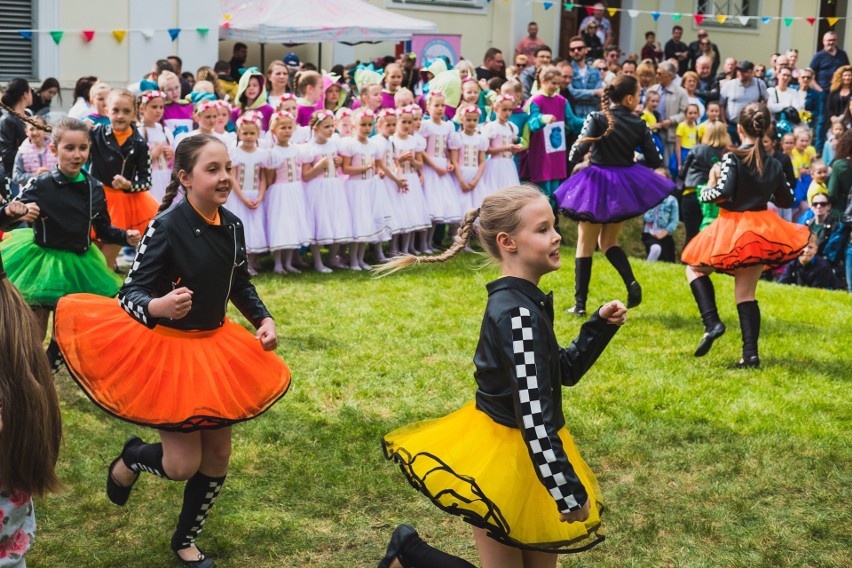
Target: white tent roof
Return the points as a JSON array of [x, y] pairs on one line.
[[311, 21]]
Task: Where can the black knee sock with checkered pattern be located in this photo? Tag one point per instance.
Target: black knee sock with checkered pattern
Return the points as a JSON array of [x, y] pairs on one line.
[[198, 497], [145, 457]]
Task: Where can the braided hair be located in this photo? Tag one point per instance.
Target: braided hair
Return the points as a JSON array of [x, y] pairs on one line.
[[755, 120], [622, 86], [34, 122], [186, 155]]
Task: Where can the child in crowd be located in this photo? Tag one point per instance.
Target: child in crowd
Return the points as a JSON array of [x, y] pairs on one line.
[[713, 114], [686, 138], [520, 118], [392, 81], [438, 182], [159, 140], [467, 155], [98, 98], [285, 212], [251, 96], [837, 130], [470, 99], [246, 201], [652, 117], [659, 226], [412, 202], [206, 114], [502, 136], [169, 333], [177, 112], [518, 459], [403, 98], [695, 172], [34, 156], [325, 195], [802, 155], [309, 89], [390, 170], [343, 123]]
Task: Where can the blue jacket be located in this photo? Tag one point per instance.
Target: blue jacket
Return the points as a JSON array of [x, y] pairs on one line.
[[664, 216], [582, 88]]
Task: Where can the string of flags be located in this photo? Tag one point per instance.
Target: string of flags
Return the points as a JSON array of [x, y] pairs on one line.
[[118, 35]]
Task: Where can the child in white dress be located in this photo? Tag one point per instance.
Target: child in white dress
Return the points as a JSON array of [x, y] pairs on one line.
[[246, 199]]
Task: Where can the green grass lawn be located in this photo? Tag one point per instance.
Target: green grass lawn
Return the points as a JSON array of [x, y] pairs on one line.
[[700, 464]]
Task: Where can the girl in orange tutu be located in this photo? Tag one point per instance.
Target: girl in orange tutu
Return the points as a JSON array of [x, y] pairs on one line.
[[121, 161], [746, 238], [506, 463], [171, 359]]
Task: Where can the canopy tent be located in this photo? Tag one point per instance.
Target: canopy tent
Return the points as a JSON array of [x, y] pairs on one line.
[[314, 21]]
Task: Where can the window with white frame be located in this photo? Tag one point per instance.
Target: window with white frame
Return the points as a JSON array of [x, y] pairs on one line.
[[439, 5], [733, 9], [16, 51]]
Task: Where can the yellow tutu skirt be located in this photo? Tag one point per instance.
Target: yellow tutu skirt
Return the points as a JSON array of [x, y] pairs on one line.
[[471, 466]]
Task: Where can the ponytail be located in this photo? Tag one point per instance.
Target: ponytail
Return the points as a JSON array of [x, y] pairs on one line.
[[622, 86], [461, 240], [755, 121], [171, 193]]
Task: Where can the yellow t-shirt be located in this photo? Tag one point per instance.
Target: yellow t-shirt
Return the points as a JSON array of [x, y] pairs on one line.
[[649, 118], [802, 159], [688, 135], [702, 128]]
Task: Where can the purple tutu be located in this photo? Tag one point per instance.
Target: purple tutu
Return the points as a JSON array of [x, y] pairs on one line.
[[610, 194]]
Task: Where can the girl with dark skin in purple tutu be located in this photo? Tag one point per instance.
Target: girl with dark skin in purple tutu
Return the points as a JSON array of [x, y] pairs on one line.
[[613, 187]]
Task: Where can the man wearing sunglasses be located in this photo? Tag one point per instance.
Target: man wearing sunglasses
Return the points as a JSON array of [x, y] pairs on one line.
[[703, 46], [587, 86]]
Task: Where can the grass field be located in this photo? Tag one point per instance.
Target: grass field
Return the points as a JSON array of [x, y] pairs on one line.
[[700, 464]]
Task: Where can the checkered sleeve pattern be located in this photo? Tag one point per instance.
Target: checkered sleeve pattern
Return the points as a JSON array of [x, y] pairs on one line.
[[137, 310], [535, 431], [142, 180], [710, 194]]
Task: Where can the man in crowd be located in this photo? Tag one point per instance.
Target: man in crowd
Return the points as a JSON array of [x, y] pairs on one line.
[[672, 107], [729, 70], [543, 56], [529, 44], [587, 87], [238, 60], [708, 84], [739, 92], [676, 49], [492, 65], [695, 48], [177, 64], [824, 63]]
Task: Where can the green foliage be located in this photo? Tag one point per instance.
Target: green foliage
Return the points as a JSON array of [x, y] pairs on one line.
[[700, 464]]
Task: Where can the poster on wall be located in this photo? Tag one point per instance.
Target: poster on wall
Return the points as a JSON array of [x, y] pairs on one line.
[[427, 47]]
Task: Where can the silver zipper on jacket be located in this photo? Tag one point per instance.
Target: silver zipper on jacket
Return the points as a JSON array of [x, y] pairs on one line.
[[233, 266]]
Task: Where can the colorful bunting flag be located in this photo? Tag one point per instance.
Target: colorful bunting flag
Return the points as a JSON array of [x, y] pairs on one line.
[[202, 31], [147, 33], [832, 21], [743, 20], [57, 36], [655, 15], [226, 17], [811, 20], [548, 5], [676, 17], [698, 19], [788, 21], [765, 19], [27, 34], [174, 33], [88, 35], [721, 18], [119, 35], [612, 12], [569, 6], [633, 13], [590, 10]]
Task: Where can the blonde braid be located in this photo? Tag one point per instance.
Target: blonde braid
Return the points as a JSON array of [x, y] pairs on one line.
[[26, 118], [460, 241]]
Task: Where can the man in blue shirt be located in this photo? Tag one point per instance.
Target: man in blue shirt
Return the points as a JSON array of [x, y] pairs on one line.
[[825, 62]]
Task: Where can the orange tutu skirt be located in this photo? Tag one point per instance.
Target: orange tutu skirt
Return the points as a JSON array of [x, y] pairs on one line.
[[166, 378], [739, 240], [130, 210]]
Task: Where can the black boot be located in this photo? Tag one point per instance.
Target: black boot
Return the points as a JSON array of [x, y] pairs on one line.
[[582, 277], [412, 552], [705, 298], [749, 313], [619, 261], [54, 356], [199, 494]]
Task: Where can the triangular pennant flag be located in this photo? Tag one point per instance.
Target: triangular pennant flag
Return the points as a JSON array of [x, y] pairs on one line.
[[811, 20], [202, 31], [698, 19], [633, 13], [569, 6], [226, 17], [765, 19], [27, 34], [655, 15], [743, 20], [119, 35], [788, 21], [832, 21], [612, 12], [88, 35], [548, 5], [721, 18], [174, 33], [227, 25], [147, 34], [676, 17], [57, 36], [590, 10]]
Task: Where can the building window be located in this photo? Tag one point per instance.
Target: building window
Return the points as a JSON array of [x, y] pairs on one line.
[[16, 51], [733, 9], [468, 6]]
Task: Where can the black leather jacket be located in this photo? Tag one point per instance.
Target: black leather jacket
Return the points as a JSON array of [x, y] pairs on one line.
[[617, 148], [741, 188], [69, 212], [179, 248], [520, 371], [698, 163], [133, 161]]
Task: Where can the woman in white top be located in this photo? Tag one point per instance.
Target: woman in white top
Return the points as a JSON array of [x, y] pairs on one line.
[[782, 96]]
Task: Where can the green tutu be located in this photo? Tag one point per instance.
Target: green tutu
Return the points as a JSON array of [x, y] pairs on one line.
[[43, 275]]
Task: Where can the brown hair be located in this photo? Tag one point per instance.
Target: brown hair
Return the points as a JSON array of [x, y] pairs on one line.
[[615, 92], [67, 124], [27, 118], [754, 120], [545, 73], [844, 146], [31, 430], [305, 79], [837, 78], [206, 73], [186, 155], [499, 213]]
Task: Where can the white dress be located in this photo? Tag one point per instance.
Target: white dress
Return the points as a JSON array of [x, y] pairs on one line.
[[387, 201], [325, 197], [441, 191], [161, 172], [469, 148], [500, 169], [251, 168], [411, 204], [363, 191], [286, 216]]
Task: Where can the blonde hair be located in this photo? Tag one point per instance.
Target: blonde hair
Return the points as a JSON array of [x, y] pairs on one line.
[[467, 66], [716, 135], [98, 88], [499, 213], [400, 94], [166, 78]]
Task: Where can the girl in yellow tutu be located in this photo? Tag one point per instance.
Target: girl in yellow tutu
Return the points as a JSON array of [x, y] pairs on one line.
[[506, 463], [165, 355], [746, 238]]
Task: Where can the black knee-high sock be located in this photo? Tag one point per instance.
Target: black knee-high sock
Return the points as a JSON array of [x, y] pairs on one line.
[[749, 313], [198, 497], [582, 277], [618, 259], [705, 296], [54, 356], [145, 457], [418, 554]]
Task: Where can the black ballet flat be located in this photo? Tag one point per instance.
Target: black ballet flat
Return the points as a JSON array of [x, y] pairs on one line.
[[578, 309], [714, 333], [203, 560], [751, 362], [400, 536], [116, 493], [634, 294]]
